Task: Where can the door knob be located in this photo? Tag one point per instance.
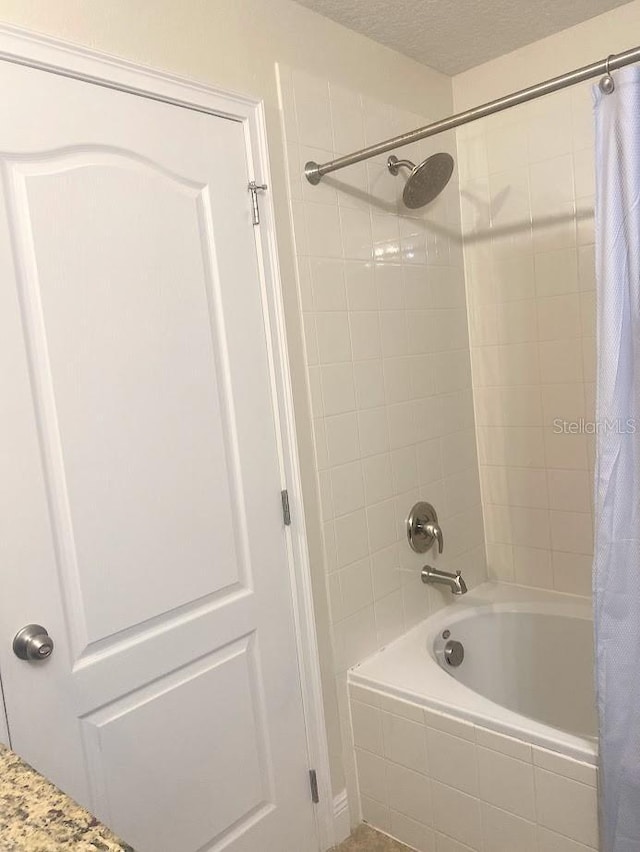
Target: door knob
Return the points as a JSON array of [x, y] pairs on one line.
[[32, 643]]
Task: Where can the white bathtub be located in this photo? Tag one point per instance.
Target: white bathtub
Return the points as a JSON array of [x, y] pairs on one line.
[[527, 671]]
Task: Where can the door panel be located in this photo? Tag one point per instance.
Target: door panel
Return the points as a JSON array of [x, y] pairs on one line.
[[140, 517], [135, 384], [215, 705]]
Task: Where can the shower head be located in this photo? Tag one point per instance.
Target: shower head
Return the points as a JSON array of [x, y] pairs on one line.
[[426, 180]]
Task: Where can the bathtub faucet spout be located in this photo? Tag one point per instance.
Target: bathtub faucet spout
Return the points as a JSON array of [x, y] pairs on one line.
[[454, 581]]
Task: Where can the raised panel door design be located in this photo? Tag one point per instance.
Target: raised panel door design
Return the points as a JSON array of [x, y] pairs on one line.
[[204, 724], [139, 510], [130, 406]]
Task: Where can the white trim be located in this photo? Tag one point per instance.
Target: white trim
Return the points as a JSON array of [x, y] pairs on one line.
[[60, 57], [301, 568], [341, 817]]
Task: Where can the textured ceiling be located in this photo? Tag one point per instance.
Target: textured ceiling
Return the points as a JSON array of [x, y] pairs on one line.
[[453, 35]]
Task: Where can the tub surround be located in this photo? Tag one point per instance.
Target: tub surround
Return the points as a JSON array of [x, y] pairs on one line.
[[382, 297], [37, 817], [436, 767], [434, 781]]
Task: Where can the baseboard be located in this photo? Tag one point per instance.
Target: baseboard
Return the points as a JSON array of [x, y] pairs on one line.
[[341, 817]]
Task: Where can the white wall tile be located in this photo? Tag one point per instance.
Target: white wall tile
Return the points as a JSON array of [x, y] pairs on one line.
[[374, 431], [372, 775], [360, 286], [522, 797], [452, 761], [367, 727], [404, 742], [409, 793], [397, 379], [449, 725], [504, 832], [572, 532], [561, 765], [569, 490], [369, 384], [323, 230], [342, 437], [351, 538], [389, 616], [551, 184], [385, 571], [385, 330], [413, 833], [567, 807], [347, 488], [382, 525], [378, 484], [365, 335], [394, 333], [356, 234], [507, 783], [356, 636], [334, 340], [375, 813], [347, 119], [504, 744], [448, 844], [457, 815], [313, 115], [572, 572], [398, 707], [356, 587], [549, 841], [532, 566], [338, 389], [531, 330], [327, 284]]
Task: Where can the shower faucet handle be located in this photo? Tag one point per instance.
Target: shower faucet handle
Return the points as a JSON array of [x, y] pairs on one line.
[[434, 530], [423, 529]]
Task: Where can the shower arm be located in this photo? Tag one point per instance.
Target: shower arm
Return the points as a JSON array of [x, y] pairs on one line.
[[314, 172], [394, 165]]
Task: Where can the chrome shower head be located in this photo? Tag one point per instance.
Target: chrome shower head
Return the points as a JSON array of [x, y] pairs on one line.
[[426, 180]]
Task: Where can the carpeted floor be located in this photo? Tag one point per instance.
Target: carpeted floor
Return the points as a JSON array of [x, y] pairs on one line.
[[365, 839]]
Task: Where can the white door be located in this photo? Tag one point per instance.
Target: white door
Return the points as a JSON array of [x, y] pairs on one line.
[[140, 515]]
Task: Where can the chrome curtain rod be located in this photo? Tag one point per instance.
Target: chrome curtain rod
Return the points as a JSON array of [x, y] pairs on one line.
[[314, 171]]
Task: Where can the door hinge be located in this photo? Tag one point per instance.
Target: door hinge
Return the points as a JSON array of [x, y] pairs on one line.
[[313, 783], [254, 188], [286, 511]]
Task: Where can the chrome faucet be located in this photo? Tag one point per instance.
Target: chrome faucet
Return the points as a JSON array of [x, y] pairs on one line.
[[454, 581]]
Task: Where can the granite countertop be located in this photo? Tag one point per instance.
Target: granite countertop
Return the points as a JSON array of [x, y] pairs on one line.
[[37, 817]]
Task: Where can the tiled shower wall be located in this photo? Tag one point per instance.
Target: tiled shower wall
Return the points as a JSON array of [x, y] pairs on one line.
[[526, 184], [441, 784], [383, 301]]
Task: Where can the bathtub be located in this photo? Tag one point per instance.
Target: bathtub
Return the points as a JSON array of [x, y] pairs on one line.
[[501, 746], [527, 670]]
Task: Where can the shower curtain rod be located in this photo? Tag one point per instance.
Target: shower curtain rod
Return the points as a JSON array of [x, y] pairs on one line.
[[314, 171]]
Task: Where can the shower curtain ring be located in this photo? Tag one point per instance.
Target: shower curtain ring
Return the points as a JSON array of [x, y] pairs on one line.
[[606, 84]]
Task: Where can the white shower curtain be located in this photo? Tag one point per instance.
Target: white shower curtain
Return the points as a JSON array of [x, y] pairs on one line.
[[617, 548]]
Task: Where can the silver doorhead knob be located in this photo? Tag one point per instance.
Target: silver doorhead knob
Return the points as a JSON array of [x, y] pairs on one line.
[[32, 643]]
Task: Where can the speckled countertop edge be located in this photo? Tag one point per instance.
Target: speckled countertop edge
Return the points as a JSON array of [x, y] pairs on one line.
[[35, 816]]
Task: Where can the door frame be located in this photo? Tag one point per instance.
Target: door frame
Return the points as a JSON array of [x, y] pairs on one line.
[[70, 60]]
